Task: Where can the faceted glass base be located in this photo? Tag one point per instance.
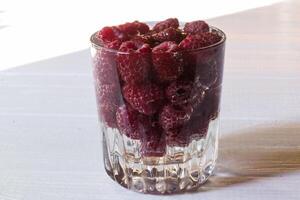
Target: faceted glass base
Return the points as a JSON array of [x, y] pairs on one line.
[[179, 170]]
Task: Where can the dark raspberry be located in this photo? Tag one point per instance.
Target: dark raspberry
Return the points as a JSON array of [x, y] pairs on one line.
[[171, 22], [153, 143], [111, 33], [197, 128], [169, 34], [145, 38], [196, 27], [134, 65], [133, 28], [174, 116], [167, 62], [178, 137], [209, 108], [131, 123], [105, 67], [178, 93], [199, 40], [206, 74], [146, 99], [185, 92]]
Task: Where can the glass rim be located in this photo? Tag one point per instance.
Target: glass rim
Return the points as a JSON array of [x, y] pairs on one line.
[[97, 44]]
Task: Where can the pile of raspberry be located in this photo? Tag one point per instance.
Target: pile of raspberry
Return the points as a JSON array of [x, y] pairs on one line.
[[152, 86]]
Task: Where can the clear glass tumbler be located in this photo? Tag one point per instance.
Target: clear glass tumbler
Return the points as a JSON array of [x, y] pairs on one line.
[[159, 136]]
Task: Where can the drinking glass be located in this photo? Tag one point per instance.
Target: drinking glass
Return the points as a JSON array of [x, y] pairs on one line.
[[140, 152]]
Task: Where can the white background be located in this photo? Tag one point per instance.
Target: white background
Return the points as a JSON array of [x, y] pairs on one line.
[[33, 30]]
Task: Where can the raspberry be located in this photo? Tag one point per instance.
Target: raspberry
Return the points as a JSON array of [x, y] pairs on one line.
[[107, 114], [169, 34], [153, 143], [171, 22], [209, 108], [108, 100], [145, 38], [174, 116], [108, 94], [167, 63], [196, 27], [105, 67], [197, 128], [185, 92], [134, 66], [166, 47], [111, 33], [177, 137], [199, 41], [206, 74], [133, 28], [146, 99], [114, 45], [130, 122], [135, 47]]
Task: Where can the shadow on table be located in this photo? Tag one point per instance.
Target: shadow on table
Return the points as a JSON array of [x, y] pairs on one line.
[[1, 25], [257, 153]]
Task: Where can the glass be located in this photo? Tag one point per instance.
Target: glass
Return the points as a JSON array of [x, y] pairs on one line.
[[139, 152]]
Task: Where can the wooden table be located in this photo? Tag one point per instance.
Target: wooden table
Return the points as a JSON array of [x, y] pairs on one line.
[[49, 136]]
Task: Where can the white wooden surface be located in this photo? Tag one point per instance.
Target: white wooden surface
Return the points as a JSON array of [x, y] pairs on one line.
[[50, 146]]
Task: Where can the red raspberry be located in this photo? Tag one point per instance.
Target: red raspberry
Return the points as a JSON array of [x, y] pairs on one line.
[[209, 108], [131, 123], [111, 33], [108, 100], [153, 143], [108, 93], [199, 41], [185, 92], [167, 62], [135, 47], [169, 34], [134, 65], [113, 45], [105, 67], [196, 27], [107, 114], [146, 99], [133, 28], [171, 22], [174, 116]]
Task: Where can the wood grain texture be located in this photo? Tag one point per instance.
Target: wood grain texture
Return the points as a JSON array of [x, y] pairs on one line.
[[50, 145]]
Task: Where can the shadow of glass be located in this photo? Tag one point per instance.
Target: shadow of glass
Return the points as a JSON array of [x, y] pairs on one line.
[[257, 153], [3, 26]]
